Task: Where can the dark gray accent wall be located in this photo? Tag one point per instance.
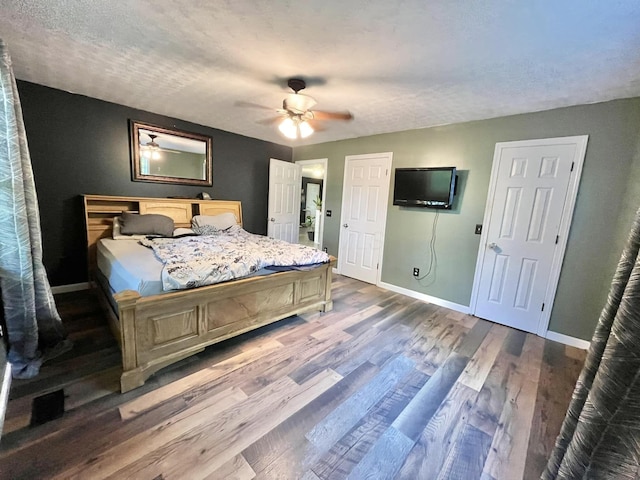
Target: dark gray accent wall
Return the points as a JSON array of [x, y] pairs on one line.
[[80, 145]]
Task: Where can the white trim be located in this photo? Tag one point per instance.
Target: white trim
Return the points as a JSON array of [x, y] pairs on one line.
[[383, 215], [425, 298], [325, 165], [73, 287], [567, 215], [567, 340], [4, 393], [335, 270]]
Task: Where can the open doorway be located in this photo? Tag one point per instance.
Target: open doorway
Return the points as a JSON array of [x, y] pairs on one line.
[[312, 198]]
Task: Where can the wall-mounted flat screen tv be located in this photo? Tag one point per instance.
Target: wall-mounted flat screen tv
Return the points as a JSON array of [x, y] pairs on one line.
[[425, 187]]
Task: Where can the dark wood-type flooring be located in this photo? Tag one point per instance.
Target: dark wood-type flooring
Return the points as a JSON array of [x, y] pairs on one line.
[[382, 387]]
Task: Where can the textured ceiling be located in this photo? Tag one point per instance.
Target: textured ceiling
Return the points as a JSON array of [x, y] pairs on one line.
[[396, 65]]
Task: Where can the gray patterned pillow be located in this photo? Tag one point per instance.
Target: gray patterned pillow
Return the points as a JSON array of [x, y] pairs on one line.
[[205, 229]]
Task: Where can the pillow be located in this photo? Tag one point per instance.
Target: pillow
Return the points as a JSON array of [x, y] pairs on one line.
[[183, 231], [211, 230], [218, 222], [117, 234], [151, 224]]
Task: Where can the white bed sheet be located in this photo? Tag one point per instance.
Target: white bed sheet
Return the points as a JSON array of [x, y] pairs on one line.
[[127, 265]]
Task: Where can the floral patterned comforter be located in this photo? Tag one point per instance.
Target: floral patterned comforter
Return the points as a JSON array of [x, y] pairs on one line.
[[194, 261]]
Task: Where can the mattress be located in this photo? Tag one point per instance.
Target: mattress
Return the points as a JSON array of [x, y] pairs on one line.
[[127, 265]]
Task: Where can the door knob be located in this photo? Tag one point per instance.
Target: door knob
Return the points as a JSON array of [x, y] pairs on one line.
[[272, 219], [345, 225], [493, 245]]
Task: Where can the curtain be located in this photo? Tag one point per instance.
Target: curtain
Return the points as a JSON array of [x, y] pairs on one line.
[[600, 435], [34, 328]]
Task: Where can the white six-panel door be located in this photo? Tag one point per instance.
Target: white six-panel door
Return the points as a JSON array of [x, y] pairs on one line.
[[284, 200], [364, 214], [525, 211]]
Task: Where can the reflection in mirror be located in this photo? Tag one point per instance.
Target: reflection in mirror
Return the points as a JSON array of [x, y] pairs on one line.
[[170, 156]]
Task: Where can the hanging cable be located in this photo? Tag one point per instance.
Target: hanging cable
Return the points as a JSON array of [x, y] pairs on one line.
[[433, 260]]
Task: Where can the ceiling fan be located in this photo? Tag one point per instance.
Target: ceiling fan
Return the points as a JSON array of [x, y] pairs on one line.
[[297, 119], [152, 149]]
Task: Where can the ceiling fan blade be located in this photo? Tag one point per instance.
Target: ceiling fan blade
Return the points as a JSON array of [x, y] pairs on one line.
[[240, 103], [316, 126], [320, 115], [269, 121]]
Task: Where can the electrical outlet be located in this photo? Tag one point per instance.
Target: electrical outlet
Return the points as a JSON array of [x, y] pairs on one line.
[[328, 213], [478, 229], [416, 271]]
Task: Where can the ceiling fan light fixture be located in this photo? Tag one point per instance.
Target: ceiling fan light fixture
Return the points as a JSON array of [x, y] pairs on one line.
[[151, 149], [288, 128], [305, 129], [295, 128]]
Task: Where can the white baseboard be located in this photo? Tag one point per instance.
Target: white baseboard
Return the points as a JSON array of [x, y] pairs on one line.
[[335, 270], [4, 391], [425, 298], [73, 287], [567, 340]]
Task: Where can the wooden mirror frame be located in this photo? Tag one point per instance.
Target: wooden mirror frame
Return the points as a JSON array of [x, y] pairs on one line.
[[138, 176]]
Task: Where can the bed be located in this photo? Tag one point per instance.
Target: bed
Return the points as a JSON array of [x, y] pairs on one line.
[[157, 329]]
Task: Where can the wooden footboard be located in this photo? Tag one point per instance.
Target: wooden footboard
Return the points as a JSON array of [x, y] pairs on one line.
[[159, 330]]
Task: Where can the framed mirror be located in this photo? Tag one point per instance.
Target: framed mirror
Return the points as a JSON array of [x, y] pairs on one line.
[[165, 155]]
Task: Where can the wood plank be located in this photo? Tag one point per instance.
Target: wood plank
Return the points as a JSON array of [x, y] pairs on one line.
[[370, 322], [332, 359], [467, 321], [428, 455], [346, 322], [508, 451], [489, 404], [151, 399], [299, 331], [438, 345], [558, 374], [344, 417], [575, 353], [235, 469], [300, 356], [309, 475], [474, 338], [198, 452], [406, 312], [385, 458], [281, 452], [418, 413], [514, 342], [351, 449], [109, 462], [467, 456], [480, 365], [397, 337]]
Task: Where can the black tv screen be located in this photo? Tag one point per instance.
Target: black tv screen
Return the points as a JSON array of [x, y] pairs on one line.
[[425, 187]]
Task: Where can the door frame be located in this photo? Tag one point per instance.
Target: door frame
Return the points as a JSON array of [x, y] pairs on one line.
[[296, 199], [324, 162], [567, 215], [387, 188]]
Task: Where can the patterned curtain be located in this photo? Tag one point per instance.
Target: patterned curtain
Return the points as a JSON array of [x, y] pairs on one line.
[[34, 328], [600, 436]]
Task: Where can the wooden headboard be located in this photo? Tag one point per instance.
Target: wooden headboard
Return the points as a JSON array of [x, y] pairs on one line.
[[99, 211]]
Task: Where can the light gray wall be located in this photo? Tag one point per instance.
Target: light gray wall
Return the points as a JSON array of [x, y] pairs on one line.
[[607, 199]]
